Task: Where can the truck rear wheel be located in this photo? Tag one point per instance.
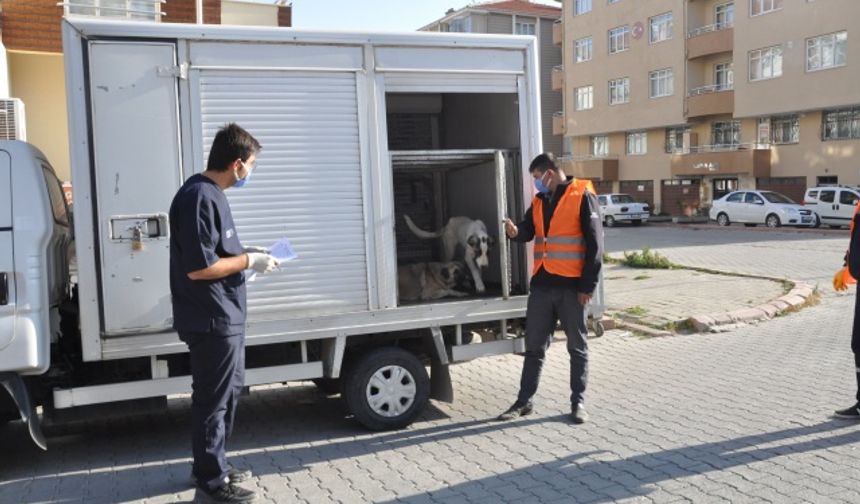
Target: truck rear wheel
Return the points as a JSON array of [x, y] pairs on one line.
[[386, 388]]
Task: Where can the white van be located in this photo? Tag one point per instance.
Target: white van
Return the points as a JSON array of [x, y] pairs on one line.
[[833, 205]]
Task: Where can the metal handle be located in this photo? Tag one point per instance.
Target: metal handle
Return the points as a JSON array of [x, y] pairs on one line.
[[4, 288]]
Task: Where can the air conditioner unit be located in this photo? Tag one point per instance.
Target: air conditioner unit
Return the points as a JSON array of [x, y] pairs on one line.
[[12, 123]]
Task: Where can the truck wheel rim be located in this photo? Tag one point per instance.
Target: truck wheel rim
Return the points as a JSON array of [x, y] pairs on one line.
[[391, 391]]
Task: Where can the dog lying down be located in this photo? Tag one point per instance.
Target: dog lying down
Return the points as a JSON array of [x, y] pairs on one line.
[[430, 280], [468, 235]]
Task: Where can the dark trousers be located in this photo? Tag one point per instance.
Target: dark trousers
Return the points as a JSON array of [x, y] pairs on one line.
[[855, 341], [546, 305], [218, 375]]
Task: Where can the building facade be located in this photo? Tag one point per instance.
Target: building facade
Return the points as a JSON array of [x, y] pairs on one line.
[[677, 102], [32, 47], [518, 17]]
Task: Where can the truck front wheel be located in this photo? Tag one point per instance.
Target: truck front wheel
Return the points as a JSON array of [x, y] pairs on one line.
[[386, 388]]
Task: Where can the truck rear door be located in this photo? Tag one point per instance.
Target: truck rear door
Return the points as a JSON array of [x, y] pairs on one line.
[[7, 266]]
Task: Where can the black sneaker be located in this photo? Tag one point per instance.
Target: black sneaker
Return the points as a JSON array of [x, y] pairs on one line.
[[578, 414], [233, 474], [516, 411], [852, 413], [228, 492]]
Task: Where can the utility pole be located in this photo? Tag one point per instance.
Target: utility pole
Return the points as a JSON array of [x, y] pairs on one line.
[[199, 10]]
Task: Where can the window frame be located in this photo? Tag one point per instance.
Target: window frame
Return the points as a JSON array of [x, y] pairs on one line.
[[761, 52], [656, 75], [849, 115], [581, 44], [777, 126], [773, 7], [728, 69], [604, 142], [588, 91], [672, 133], [581, 7], [638, 140], [670, 30], [518, 24], [835, 51], [624, 83], [623, 36], [729, 11], [734, 130]]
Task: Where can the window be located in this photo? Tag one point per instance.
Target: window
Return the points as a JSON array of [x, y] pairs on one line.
[[460, 25], [56, 196], [619, 91], [582, 50], [841, 124], [726, 133], [763, 130], [847, 197], [602, 200], [725, 16], [584, 97], [766, 63], [524, 28], [675, 139], [724, 77], [661, 28], [827, 196], [812, 194], [826, 51], [600, 146], [637, 143], [735, 197], [785, 129], [149, 10], [613, 1], [662, 83], [764, 6], [581, 7], [754, 199], [619, 39]]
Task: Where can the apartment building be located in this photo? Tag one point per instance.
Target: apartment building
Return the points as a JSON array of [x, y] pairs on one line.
[[678, 102], [32, 47], [518, 17]]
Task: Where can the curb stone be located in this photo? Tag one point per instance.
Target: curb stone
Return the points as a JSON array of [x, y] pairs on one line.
[[724, 321]]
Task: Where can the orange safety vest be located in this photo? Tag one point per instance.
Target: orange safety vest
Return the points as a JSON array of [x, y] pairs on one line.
[[563, 251]]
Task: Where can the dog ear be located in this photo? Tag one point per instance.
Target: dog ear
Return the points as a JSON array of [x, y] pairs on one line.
[[472, 241]]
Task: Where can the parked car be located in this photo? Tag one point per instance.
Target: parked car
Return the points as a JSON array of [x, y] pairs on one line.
[[832, 205], [760, 207], [616, 208]]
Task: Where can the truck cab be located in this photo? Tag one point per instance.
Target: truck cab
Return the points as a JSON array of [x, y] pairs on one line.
[[35, 239]]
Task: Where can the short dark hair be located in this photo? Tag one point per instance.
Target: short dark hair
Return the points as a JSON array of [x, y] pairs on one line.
[[543, 162], [231, 142]]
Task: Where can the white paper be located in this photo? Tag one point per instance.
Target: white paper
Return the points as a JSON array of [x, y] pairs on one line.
[[280, 250]]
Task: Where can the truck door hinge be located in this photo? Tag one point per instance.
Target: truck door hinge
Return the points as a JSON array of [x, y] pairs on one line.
[[177, 71]]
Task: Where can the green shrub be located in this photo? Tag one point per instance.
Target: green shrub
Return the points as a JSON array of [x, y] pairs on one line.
[[646, 259]]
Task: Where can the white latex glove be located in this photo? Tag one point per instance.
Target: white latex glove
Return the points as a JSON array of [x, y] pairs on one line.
[[251, 248], [262, 263]]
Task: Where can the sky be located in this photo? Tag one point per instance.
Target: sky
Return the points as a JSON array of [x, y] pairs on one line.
[[373, 15]]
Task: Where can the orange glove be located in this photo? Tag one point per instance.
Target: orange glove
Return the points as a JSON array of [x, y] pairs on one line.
[[842, 279]]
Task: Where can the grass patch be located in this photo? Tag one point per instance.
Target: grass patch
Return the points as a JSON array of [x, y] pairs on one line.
[[641, 277], [637, 311], [681, 327], [646, 258], [812, 300]]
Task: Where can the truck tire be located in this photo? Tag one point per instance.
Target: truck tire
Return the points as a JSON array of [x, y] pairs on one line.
[[386, 388]]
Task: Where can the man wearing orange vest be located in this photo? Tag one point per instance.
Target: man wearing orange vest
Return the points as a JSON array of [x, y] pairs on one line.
[[565, 224], [852, 267]]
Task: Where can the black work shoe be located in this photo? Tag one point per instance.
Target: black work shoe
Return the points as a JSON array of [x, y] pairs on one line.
[[578, 414], [228, 492], [516, 411], [852, 413], [234, 475]]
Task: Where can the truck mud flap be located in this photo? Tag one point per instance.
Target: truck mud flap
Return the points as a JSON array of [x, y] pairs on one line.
[[441, 388], [18, 390]]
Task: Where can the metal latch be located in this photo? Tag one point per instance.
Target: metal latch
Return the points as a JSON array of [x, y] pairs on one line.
[[177, 71]]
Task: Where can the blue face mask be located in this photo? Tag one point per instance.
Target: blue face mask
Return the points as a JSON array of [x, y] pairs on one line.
[[540, 186], [242, 181]]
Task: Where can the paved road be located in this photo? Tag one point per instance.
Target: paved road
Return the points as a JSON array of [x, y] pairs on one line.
[[733, 417]]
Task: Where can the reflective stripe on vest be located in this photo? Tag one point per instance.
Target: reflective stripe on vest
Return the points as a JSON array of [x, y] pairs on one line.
[[563, 251]]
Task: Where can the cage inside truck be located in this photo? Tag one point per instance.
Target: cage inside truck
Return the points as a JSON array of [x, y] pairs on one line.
[[358, 131]]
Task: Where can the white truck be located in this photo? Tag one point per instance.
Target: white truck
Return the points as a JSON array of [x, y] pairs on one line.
[[357, 130]]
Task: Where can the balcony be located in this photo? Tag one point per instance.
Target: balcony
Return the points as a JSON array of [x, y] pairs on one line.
[[711, 100], [558, 126], [710, 160], [558, 33], [711, 39], [591, 167], [557, 78]]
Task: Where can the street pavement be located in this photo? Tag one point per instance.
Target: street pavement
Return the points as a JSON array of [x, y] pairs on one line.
[[741, 416]]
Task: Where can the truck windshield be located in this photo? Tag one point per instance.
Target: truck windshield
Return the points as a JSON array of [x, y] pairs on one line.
[[55, 194]]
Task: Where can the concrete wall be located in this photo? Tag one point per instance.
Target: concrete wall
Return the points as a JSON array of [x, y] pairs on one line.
[[796, 89], [38, 79], [237, 12]]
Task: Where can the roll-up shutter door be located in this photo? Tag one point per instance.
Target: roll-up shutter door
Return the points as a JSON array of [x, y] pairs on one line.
[[307, 185], [408, 82]]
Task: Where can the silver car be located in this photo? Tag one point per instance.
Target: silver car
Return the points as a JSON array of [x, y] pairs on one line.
[[760, 207]]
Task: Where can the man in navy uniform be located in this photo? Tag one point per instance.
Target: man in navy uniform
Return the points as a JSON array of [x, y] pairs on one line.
[[207, 283]]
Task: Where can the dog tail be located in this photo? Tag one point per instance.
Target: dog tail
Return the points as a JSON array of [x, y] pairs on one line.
[[420, 233]]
